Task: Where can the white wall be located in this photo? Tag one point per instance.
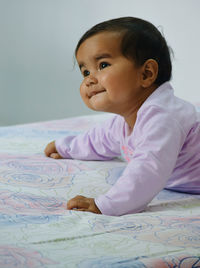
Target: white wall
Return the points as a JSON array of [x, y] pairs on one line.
[[37, 41]]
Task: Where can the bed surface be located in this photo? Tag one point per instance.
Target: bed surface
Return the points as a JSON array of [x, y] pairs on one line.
[[37, 230]]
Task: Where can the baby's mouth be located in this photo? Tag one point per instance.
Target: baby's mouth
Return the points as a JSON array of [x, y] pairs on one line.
[[93, 93]]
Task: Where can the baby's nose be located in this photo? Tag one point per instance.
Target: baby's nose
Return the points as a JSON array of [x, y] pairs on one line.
[[91, 80]]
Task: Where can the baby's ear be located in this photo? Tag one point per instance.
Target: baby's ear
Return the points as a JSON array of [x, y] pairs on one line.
[[149, 73]]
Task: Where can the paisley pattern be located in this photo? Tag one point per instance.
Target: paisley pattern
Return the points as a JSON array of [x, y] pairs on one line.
[[38, 231], [11, 256]]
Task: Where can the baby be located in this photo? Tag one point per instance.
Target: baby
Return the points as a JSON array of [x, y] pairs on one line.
[[126, 69]]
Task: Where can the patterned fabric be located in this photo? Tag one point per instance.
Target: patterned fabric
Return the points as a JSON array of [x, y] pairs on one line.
[[37, 230]]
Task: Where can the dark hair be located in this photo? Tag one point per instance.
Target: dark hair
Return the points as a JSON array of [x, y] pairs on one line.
[[141, 41]]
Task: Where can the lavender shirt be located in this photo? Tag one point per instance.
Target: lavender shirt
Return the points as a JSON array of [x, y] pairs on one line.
[[163, 151]]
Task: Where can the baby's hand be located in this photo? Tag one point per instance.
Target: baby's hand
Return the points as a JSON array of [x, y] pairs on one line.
[[51, 151], [82, 203]]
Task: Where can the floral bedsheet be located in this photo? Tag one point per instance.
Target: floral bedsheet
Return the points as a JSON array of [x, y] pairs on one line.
[[38, 231]]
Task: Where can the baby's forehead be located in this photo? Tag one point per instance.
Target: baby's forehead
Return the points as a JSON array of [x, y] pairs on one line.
[[100, 43], [107, 36]]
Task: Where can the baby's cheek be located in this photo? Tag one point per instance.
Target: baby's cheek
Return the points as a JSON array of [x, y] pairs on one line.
[[110, 85], [83, 91], [105, 80], [84, 96]]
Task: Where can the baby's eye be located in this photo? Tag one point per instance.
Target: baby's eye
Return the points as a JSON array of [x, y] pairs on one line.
[[103, 65], [85, 73]]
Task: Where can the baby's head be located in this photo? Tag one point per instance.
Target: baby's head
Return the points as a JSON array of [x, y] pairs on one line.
[[140, 41], [122, 61]]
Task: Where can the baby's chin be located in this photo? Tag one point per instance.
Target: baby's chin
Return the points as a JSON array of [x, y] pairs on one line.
[[98, 102]]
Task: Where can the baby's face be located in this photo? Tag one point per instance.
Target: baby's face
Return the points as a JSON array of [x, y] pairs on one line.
[[111, 81]]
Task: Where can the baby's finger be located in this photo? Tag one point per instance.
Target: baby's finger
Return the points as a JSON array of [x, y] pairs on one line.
[[77, 203], [55, 156], [46, 151], [50, 148], [80, 209]]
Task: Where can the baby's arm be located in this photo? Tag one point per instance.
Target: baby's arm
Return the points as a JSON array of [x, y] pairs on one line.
[[51, 151], [99, 143]]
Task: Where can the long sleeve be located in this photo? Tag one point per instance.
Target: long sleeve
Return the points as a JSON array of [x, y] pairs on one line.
[[157, 139], [99, 143]]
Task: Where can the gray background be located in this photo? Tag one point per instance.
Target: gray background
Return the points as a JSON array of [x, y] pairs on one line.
[[38, 79]]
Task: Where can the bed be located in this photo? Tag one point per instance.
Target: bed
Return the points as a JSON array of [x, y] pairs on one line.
[[38, 231]]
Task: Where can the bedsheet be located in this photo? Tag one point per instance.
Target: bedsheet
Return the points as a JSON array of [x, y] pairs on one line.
[[38, 231]]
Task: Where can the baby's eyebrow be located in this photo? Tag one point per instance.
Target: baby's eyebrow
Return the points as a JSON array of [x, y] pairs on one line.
[[102, 56], [81, 65], [97, 58]]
